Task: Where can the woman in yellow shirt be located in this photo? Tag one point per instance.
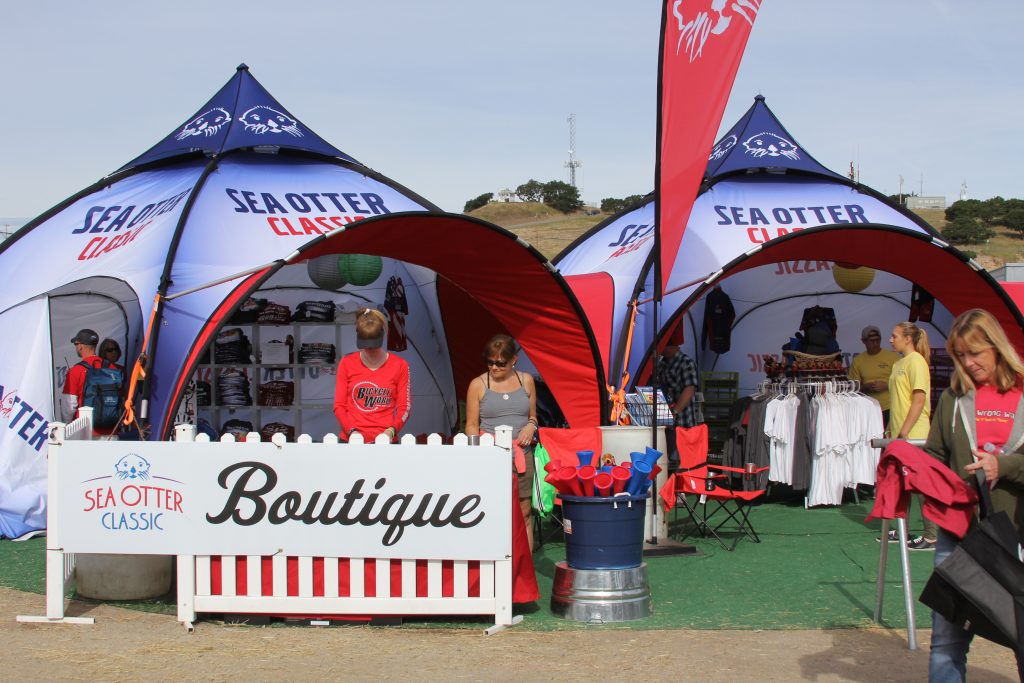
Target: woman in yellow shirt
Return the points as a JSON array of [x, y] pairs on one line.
[[910, 388]]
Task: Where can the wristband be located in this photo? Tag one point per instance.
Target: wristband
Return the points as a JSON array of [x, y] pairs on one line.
[[532, 421]]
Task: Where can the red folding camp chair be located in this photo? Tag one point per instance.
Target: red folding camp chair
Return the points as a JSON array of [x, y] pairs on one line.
[[562, 445], [699, 483]]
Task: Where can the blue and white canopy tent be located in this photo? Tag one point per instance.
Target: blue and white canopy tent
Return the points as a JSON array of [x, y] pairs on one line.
[[777, 232], [243, 199]]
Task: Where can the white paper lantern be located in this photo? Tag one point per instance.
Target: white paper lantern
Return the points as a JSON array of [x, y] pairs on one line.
[[324, 272]]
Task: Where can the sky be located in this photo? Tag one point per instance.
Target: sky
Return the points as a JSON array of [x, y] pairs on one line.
[[455, 98]]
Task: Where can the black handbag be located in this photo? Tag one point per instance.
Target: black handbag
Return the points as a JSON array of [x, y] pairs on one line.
[[980, 585]]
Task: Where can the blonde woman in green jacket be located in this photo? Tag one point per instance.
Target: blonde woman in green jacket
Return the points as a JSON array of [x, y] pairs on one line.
[[978, 425]]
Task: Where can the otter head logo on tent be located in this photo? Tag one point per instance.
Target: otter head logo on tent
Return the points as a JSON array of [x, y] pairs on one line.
[[7, 401], [771, 145], [722, 148], [208, 123], [711, 19], [262, 119]]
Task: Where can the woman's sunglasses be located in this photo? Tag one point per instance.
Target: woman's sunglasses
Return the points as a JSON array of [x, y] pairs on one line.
[[497, 363]]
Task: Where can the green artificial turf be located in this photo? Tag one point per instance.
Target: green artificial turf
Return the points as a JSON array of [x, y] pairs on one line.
[[813, 569]]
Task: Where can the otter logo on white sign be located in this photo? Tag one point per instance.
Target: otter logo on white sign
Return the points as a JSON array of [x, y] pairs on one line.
[[712, 19], [261, 119], [771, 145], [208, 123]]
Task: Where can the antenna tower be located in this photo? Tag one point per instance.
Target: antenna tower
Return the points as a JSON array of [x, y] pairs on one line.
[[572, 164]]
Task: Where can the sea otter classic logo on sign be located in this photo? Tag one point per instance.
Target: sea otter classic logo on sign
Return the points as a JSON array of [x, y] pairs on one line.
[[124, 504]]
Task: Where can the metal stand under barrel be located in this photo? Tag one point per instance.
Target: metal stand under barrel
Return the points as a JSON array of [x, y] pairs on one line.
[[601, 596]]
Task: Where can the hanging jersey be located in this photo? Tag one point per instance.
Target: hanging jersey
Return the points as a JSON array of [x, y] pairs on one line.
[[719, 315], [922, 305], [397, 306]]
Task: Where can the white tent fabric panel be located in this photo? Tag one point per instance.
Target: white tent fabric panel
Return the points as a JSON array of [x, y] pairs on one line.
[[26, 406], [124, 228]]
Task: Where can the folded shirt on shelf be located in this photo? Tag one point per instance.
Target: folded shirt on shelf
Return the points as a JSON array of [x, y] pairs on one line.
[[317, 353], [237, 428], [268, 430], [277, 393], [275, 314], [249, 311], [233, 388], [314, 311]]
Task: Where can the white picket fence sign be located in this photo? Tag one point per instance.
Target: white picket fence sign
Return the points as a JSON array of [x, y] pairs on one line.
[[60, 566], [200, 576]]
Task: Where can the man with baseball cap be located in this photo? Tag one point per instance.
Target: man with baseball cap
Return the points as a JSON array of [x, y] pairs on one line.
[[873, 367], [74, 384]]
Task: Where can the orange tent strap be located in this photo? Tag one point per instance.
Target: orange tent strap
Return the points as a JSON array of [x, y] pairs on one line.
[[618, 397], [139, 371]]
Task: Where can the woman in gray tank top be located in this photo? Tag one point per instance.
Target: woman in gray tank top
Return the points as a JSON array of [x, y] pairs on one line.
[[505, 396]]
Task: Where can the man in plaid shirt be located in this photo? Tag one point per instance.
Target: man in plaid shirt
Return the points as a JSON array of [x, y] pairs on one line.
[[677, 377]]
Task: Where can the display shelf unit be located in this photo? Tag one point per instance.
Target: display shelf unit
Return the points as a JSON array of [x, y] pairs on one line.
[[312, 405], [941, 367], [720, 391]]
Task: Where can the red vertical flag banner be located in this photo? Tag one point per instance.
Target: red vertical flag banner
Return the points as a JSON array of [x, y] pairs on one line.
[[702, 42]]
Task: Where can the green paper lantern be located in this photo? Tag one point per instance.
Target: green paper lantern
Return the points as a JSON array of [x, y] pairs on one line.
[[360, 269], [325, 272]]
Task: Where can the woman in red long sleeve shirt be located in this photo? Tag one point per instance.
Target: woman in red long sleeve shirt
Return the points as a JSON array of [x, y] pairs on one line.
[[371, 393]]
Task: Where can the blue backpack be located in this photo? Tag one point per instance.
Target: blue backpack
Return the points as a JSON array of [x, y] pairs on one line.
[[102, 393]]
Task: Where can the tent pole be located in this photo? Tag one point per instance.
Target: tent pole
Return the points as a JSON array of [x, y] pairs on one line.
[[680, 287], [226, 278], [654, 414]]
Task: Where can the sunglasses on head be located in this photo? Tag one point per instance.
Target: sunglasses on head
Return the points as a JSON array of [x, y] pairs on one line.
[[497, 363]]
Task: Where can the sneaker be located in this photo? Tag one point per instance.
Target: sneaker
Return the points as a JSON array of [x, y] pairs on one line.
[[920, 543], [894, 536]]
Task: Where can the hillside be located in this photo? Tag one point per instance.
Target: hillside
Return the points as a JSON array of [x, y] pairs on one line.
[[550, 231]]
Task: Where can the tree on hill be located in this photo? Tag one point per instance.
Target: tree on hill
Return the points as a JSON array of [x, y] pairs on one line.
[[613, 205], [966, 208], [901, 199], [476, 203], [966, 230], [530, 191], [562, 196], [1014, 217]]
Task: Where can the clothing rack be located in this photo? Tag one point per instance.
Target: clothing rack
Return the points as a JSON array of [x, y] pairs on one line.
[[814, 388]]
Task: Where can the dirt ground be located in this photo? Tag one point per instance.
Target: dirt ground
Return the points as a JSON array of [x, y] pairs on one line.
[[126, 645]]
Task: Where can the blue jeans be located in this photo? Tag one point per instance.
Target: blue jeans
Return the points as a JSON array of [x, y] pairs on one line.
[[950, 643]]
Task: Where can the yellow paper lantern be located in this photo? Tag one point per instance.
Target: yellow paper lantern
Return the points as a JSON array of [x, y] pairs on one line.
[[852, 278]]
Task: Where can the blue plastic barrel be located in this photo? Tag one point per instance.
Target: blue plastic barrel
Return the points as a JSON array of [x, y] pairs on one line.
[[604, 532]]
